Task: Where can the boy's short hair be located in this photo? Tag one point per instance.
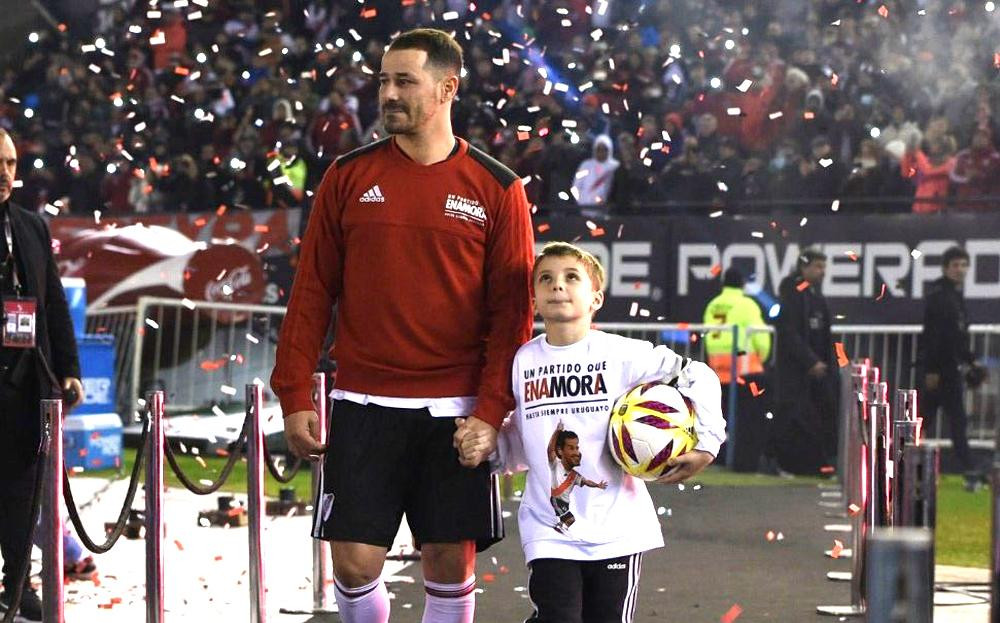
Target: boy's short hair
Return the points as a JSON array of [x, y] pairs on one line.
[[443, 52], [953, 253], [564, 249]]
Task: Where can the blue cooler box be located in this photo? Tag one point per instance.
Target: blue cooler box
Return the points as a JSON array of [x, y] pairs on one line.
[[92, 432], [92, 441]]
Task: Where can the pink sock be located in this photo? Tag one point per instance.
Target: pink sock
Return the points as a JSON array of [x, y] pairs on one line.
[[364, 604], [450, 603]]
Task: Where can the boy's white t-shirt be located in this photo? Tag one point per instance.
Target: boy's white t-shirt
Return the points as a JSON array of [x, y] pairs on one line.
[[577, 385]]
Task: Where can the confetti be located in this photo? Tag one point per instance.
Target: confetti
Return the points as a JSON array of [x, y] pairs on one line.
[[838, 547], [732, 614], [883, 11], [842, 359], [881, 295], [802, 286], [756, 391]]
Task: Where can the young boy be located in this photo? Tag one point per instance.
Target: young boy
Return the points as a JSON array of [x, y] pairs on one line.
[[584, 544]]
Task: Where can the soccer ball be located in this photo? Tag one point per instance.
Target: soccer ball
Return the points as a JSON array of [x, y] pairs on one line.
[[650, 424]]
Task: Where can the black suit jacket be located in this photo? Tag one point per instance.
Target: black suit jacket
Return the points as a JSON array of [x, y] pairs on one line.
[[55, 339]]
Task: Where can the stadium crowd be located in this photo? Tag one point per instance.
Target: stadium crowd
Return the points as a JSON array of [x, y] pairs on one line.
[[614, 104]]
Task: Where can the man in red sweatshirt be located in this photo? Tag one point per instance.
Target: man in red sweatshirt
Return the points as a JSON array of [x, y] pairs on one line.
[[424, 244]]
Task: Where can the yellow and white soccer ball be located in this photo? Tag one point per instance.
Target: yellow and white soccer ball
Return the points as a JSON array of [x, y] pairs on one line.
[[651, 424]]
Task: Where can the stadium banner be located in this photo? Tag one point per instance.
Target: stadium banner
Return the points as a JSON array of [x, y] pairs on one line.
[[236, 256], [667, 268], [635, 253]]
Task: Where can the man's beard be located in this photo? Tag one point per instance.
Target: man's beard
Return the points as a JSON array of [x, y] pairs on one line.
[[402, 125]]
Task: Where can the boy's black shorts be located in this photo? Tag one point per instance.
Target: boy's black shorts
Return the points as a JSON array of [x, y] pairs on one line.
[[382, 462], [584, 591]]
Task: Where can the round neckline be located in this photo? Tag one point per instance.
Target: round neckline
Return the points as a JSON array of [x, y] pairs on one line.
[[427, 169]]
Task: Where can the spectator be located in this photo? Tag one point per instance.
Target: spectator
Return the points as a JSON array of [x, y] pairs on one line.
[[632, 181], [930, 171], [592, 182], [977, 169]]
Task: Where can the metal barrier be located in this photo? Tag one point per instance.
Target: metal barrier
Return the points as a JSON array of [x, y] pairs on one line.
[[200, 350], [322, 560]]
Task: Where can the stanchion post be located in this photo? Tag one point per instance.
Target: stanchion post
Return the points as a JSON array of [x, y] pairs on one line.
[[322, 562], [255, 501], [154, 507], [899, 561], [859, 494], [905, 432], [995, 548], [732, 407], [52, 523], [921, 466]]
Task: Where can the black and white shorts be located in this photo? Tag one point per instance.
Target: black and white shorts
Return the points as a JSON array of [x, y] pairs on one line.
[[584, 591], [382, 462]]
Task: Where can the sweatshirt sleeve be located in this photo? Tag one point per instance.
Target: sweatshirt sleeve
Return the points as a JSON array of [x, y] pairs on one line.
[[509, 254], [694, 380], [316, 287]]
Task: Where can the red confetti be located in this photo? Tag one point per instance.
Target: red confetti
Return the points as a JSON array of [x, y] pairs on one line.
[[881, 294], [523, 136], [716, 270], [489, 577], [179, 545], [996, 60], [809, 115], [853, 509], [369, 13], [597, 231], [504, 569], [544, 227], [883, 11], [827, 469], [181, 71], [770, 535], [732, 614], [838, 547], [756, 391], [803, 285], [842, 359]]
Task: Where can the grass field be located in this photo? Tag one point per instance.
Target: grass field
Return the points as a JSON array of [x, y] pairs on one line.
[[963, 530]]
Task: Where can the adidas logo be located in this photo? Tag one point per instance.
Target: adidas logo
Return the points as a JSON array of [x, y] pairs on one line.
[[617, 565], [373, 195]]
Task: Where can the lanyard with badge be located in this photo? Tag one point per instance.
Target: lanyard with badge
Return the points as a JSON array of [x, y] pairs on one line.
[[19, 312]]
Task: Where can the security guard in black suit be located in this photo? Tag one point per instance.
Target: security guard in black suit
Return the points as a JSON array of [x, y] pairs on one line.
[[38, 359], [945, 352]]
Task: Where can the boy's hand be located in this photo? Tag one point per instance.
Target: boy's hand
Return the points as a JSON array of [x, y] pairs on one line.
[[685, 466], [475, 440]]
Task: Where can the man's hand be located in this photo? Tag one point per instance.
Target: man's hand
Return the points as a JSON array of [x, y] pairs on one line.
[[818, 370], [685, 466], [475, 440], [75, 385], [932, 381], [302, 435]]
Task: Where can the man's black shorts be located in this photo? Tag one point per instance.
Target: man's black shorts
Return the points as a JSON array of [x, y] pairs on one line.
[[383, 462]]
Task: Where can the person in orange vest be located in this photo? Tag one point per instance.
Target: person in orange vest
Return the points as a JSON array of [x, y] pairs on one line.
[[733, 306]]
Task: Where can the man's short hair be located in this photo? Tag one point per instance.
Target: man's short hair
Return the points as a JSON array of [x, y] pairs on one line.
[[565, 249], [733, 278], [809, 255], [443, 52], [953, 253], [562, 436]]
